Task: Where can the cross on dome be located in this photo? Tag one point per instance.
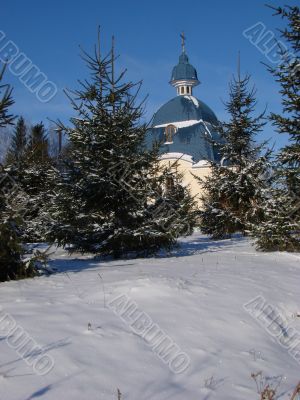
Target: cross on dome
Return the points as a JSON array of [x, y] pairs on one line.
[[183, 41]]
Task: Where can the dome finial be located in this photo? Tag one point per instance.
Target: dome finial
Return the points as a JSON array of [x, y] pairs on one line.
[[183, 41]]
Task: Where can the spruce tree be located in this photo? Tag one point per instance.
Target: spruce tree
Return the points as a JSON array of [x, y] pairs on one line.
[[36, 162], [6, 101], [18, 146], [233, 191], [11, 249], [110, 193], [280, 229], [33, 180], [27, 166], [38, 145]]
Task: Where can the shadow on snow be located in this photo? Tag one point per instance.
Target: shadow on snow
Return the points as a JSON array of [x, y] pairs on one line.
[[186, 247]]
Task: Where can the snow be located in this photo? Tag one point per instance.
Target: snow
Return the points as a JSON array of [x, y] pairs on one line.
[[193, 99], [181, 156], [180, 124], [195, 295], [207, 130], [201, 164], [185, 157]]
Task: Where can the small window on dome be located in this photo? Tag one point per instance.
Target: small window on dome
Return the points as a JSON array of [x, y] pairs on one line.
[[188, 90], [170, 131], [182, 90]]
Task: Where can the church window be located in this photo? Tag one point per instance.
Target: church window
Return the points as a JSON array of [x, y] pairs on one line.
[[182, 89], [170, 131]]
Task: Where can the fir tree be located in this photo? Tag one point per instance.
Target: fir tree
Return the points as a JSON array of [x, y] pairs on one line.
[[5, 102], [110, 197], [27, 166], [38, 146], [11, 249], [18, 146], [234, 189], [33, 180], [36, 162], [281, 228]]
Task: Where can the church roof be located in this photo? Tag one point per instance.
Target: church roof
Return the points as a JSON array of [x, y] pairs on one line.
[[195, 124], [194, 141], [184, 108], [184, 70]]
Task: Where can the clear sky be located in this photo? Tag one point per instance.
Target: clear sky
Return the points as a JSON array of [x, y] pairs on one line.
[[147, 39]]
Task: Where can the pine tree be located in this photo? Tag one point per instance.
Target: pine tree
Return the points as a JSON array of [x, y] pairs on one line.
[[233, 191], [281, 228], [18, 146], [110, 197], [11, 249]]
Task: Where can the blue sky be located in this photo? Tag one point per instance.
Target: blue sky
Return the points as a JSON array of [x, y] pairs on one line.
[[147, 39]]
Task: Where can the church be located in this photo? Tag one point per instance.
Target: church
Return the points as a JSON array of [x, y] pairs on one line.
[[185, 126]]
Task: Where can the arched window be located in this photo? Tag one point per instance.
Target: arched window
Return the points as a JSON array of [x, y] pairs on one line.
[[170, 131]]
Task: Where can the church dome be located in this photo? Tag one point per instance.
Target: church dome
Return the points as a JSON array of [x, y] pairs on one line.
[[184, 70], [184, 108], [195, 125], [185, 125]]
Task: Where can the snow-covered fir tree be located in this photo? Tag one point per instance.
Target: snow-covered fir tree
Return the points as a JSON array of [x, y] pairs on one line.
[[38, 144], [280, 229], [232, 193], [111, 195], [18, 145], [11, 249], [27, 163], [34, 183], [5, 102]]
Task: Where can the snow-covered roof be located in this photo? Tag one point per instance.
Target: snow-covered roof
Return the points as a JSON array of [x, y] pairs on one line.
[[193, 99], [181, 156], [180, 124], [184, 108], [201, 164], [185, 157]]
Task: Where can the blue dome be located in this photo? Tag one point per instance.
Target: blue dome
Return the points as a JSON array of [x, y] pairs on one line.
[[183, 70], [184, 108], [192, 138], [195, 124]]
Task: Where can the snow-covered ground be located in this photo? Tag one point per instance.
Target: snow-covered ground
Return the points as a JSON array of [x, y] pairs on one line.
[[195, 296]]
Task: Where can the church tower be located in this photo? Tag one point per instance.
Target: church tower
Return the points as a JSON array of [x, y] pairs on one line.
[[184, 75]]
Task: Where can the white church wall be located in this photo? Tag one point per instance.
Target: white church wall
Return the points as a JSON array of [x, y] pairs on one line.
[[189, 170]]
